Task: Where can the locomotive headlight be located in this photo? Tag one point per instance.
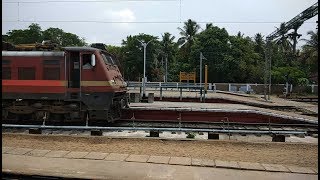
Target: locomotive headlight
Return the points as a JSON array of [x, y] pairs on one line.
[[113, 82], [125, 84]]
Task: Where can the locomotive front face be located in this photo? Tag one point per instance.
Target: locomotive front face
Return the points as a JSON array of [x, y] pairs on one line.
[[78, 83], [96, 80]]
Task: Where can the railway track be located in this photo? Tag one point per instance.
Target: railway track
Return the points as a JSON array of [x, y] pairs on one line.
[[221, 127]]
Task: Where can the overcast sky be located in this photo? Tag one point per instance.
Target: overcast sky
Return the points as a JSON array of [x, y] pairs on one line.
[[91, 19]]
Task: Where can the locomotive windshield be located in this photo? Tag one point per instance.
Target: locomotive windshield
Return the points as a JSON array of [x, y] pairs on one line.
[[108, 59]]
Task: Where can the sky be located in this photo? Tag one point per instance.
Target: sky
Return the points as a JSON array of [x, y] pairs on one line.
[[111, 21]]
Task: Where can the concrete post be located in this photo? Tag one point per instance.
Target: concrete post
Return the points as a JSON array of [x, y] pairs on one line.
[[144, 69], [166, 68], [150, 97], [200, 81], [205, 78]]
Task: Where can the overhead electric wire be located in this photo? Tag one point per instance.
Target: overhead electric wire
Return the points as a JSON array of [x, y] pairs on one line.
[[148, 22], [86, 1]]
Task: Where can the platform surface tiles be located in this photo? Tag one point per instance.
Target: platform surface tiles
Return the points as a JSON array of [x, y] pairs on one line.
[[96, 165]]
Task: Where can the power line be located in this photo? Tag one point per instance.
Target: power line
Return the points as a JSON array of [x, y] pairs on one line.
[[148, 22], [86, 1]]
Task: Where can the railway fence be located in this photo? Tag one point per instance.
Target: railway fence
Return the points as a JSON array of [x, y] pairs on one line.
[[231, 87]]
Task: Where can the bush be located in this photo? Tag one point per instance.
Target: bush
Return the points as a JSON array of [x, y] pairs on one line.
[[303, 81], [191, 135], [279, 73]]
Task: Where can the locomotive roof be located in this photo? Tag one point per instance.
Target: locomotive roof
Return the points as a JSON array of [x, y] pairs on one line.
[[32, 53], [80, 48], [46, 53]]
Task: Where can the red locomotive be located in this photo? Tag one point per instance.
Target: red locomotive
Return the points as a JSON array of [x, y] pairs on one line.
[[78, 83]]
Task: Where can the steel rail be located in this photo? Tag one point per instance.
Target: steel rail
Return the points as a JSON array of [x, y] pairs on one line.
[[221, 123], [154, 129]]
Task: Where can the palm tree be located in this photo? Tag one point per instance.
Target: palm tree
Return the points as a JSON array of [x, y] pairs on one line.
[[259, 45], [188, 33], [167, 48], [167, 43], [209, 25], [313, 42], [285, 44], [309, 55]]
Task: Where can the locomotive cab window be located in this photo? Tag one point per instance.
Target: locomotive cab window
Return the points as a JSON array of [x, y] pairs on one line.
[[107, 59], [86, 61]]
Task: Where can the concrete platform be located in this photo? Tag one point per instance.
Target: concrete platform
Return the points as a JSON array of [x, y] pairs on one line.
[[96, 155], [251, 166], [116, 157], [180, 161], [275, 168], [208, 163], [221, 107], [19, 151], [137, 158], [92, 165], [6, 149], [251, 99], [196, 162], [159, 159], [296, 169], [38, 152], [76, 155], [227, 164], [56, 154], [102, 169]]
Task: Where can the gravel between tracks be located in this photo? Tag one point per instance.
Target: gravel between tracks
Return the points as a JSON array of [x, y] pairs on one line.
[[299, 154]]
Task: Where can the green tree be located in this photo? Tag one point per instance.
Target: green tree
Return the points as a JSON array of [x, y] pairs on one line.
[[25, 36], [259, 46], [209, 25], [62, 38], [215, 45], [250, 68], [188, 32], [188, 36], [284, 45], [278, 75], [168, 50], [133, 57], [34, 34], [309, 55]]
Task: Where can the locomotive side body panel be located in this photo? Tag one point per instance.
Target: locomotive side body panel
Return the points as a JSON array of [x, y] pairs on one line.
[[75, 84], [33, 75]]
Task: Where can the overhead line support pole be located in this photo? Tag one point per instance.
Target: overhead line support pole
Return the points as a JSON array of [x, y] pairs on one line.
[[200, 76]]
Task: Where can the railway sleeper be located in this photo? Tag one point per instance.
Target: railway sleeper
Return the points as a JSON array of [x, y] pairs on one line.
[[35, 131]]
